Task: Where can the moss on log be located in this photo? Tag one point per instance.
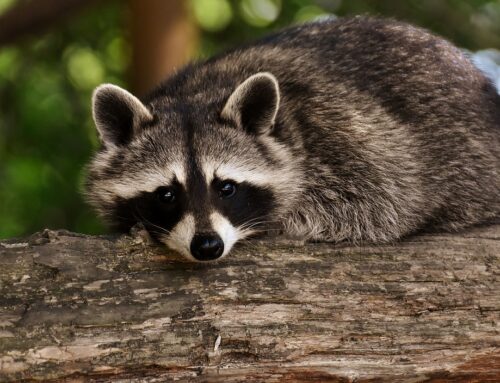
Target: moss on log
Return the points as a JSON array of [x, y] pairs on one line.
[[101, 309]]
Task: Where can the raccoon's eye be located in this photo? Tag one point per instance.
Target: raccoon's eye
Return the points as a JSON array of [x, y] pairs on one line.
[[165, 195], [227, 190]]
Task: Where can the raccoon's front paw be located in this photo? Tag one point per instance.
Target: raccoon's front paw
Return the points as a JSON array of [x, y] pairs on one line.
[[139, 233]]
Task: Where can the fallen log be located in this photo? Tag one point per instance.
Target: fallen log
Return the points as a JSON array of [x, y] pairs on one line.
[[103, 309]]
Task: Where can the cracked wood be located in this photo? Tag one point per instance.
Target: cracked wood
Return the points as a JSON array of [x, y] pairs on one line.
[[119, 309]]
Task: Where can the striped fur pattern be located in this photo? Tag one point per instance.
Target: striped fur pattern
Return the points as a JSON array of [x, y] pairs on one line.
[[359, 130]]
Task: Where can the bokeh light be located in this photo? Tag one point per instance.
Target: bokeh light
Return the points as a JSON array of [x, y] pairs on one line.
[[311, 13], [5, 4], [212, 15], [260, 13], [85, 68]]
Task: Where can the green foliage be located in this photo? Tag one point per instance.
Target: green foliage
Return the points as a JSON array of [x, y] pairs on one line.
[[5, 4], [212, 15], [46, 132], [260, 13]]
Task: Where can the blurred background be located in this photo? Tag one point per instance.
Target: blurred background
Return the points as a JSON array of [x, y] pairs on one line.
[[54, 52]]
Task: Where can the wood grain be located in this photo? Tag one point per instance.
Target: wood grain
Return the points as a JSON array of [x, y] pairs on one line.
[[80, 308]]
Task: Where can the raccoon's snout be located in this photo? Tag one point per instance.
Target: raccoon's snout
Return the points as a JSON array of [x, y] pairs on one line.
[[207, 247]]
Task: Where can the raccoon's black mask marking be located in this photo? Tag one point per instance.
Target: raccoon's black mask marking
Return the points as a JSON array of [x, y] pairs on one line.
[[249, 204], [158, 217]]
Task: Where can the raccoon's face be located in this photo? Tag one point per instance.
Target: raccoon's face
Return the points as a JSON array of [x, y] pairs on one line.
[[199, 181]]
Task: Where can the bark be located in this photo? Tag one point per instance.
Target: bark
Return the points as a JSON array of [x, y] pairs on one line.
[[103, 309], [164, 38]]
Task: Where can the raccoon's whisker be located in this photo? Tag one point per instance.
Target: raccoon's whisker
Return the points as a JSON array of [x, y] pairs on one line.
[[254, 219], [161, 229], [253, 228], [252, 224], [258, 221], [142, 219]]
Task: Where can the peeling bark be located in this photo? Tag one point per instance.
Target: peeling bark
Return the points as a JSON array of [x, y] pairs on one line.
[[101, 309]]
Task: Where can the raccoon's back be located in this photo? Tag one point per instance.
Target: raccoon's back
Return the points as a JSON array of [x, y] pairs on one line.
[[410, 104], [409, 71], [416, 78], [414, 75]]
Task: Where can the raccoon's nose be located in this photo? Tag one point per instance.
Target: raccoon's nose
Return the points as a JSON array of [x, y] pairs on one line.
[[207, 247]]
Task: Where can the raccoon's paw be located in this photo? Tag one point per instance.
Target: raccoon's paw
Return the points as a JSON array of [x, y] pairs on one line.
[[140, 234]]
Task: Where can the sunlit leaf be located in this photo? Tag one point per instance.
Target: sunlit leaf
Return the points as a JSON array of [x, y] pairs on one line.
[[5, 4], [310, 13], [212, 15], [9, 62], [260, 12], [85, 68], [118, 54]]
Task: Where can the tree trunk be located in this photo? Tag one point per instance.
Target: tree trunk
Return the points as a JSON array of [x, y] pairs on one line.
[[103, 309], [164, 38]]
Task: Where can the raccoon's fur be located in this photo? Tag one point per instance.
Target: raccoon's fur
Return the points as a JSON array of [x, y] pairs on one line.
[[361, 130]]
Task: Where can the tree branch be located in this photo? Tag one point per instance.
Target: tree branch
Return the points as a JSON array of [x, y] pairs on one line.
[[35, 16]]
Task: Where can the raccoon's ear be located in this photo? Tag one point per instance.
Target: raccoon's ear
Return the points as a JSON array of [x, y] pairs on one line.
[[117, 114], [254, 104]]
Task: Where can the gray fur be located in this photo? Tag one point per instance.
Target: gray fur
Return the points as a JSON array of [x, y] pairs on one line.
[[382, 129]]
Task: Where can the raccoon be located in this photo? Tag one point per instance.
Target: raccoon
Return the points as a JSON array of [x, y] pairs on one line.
[[361, 129]]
